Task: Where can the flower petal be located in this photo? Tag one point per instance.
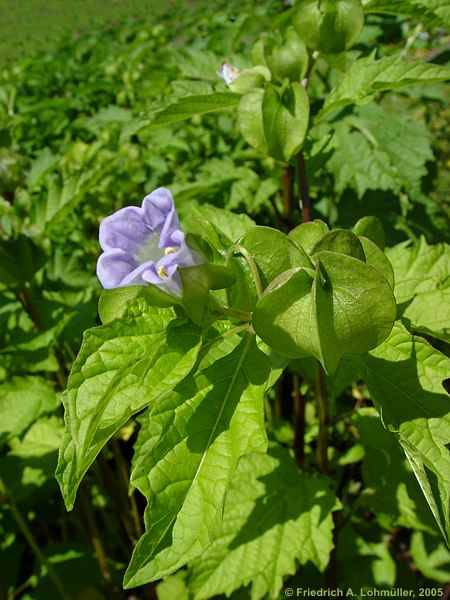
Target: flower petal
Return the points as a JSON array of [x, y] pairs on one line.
[[124, 230], [113, 267], [156, 208]]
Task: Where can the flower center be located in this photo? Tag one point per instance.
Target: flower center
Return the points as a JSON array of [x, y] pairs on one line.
[[162, 272], [150, 250]]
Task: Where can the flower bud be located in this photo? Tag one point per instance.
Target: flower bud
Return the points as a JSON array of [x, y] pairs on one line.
[[245, 81], [290, 59], [329, 26]]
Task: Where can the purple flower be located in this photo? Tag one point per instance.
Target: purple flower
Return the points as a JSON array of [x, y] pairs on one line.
[[143, 245]]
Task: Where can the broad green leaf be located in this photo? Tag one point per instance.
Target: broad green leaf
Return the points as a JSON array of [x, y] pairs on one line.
[[391, 488], [190, 445], [45, 162], [348, 307], [31, 353], [405, 376], [431, 557], [369, 76], [113, 303], [357, 165], [20, 259], [173, 586], [275, 517], [22, 401], [422, 286], [364, 560], [307, 235], [220, 228], [273, 252], [433, 12], [121, 368], [28, 469], [285, 120], [185, 108], [380, 149]]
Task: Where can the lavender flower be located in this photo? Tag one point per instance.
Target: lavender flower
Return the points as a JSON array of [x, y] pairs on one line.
[[228, 73], [144, 245]]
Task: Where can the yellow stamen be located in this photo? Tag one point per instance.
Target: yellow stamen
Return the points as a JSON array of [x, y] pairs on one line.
[[170, 250], [162, 272]]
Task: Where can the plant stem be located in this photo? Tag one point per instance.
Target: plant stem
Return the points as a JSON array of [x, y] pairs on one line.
[[322, 409], [123, 469], [234, 313], [94, 535], [299, 420], [288, 192], [304, 188], [28, 535]]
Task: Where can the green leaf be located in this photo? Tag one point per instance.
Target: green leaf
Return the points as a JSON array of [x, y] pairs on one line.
[[432, 12], [405, 376], [113, 303], [364, 559], [379, 149], [357, 165], [185, 108], [121, 368], [275, 517], [347, 308], [422, 286], [22, 401], [431, 557], [391, 486], [46, 161], [172, 587], [307, 235], [27, 470], [285, 120], [20, 259], [219, 227], [273, 252], [188, 451], [369, 76]]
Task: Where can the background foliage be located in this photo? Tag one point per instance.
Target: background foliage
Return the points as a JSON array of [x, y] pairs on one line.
[[78, 141]]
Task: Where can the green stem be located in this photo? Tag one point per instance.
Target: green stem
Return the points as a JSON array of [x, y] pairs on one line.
[[123, 469], [28, 535], [322, 409], [253, 268], [94, 535], [234, 313]]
